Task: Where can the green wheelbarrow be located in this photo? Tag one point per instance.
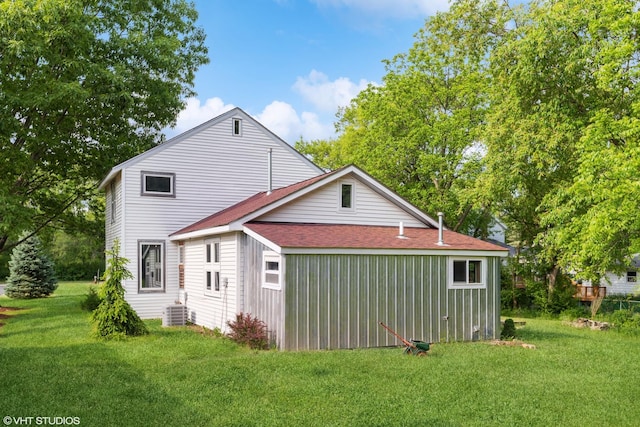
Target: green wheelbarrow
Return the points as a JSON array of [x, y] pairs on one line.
[[414, 347]]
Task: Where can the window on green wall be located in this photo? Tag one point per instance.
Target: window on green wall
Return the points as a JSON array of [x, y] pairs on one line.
[[467, 272]]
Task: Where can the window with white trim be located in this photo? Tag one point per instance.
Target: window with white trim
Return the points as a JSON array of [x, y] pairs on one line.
[[236, 127], [271, 270], [631, 276], [151, 266], [212, 281], [158, 184], [468, 272], [346, 196]]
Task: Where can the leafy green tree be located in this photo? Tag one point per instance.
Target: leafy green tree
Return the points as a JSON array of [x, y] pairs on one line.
[[31, 273], [593, 222], [85, 85], [114, 317], [419, 131], [562, 134]]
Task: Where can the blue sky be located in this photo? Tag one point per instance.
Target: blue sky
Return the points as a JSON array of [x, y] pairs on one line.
[[292, 63]]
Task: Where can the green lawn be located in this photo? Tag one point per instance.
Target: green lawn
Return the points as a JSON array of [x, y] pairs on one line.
[[51, 367]]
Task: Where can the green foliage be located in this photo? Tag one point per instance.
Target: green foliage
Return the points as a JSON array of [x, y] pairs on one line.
[[626, 321], [508, 330], [31, 273], [114, 317], [91, 301], [251, 331], [85, 85], [78, 256]]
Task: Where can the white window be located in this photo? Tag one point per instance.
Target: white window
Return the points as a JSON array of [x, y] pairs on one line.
[[271, 270], [151, 268], [631, 276], [467, 272], [113, 205], [212, 283], [236, 127], [346, 196], [158, 184]]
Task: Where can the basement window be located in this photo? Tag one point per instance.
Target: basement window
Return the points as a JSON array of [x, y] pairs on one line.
[[467, 273], [271, 270], [158, 184]]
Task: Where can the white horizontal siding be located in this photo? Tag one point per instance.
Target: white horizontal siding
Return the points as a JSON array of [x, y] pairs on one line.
[[619, 285], [213, 170], [321, 206], [206, 310]]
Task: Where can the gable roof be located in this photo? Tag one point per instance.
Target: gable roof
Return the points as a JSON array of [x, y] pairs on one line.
[[261, 203], [235, 112], [295, 236]]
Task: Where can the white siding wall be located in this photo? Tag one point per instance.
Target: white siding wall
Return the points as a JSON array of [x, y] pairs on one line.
[[213, 170], [211, 311], [321, 206], [619, 285]]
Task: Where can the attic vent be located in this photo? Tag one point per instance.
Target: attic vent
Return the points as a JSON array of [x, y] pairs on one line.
[[174, 315]]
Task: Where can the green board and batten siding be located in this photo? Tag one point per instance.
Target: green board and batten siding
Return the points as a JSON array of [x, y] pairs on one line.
[[336, 301]]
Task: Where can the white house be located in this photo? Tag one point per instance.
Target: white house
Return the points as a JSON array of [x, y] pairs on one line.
[[323, 260], [204, 170], [228, 218]]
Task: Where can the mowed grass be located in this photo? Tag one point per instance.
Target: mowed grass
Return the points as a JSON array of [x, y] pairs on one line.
[[52, 367]]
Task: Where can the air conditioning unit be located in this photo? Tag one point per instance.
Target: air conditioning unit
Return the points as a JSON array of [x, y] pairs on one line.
[[174, 315]]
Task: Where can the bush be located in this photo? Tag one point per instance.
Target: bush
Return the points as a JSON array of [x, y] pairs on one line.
[[626, 321], [247, 330], [31, 273], [91, 301], [114, 317], [508, 330]]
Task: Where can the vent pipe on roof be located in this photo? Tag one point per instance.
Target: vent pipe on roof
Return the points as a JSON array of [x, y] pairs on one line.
[[440, 229], [269, 171], [401, 231]]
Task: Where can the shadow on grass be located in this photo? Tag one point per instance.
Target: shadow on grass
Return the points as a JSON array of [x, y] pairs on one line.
[[89, 381]]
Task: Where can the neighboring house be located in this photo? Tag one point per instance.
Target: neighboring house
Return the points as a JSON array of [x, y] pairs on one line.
[[324, 260], [204, 170], [624, 284]]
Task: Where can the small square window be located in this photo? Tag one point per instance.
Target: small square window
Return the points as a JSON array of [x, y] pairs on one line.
[[272, 272], [467, 273], [158, 184], [631, 276]]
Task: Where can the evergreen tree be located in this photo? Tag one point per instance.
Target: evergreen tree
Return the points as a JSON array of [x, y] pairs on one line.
[[31, 273], [114, 317]]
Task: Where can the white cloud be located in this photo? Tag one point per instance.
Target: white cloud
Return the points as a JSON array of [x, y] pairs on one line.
[[389, 8], [327, 95], [196, 113], [283, 120]]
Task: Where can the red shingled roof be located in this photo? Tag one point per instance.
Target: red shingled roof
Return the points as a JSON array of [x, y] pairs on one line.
[[292, 235]]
